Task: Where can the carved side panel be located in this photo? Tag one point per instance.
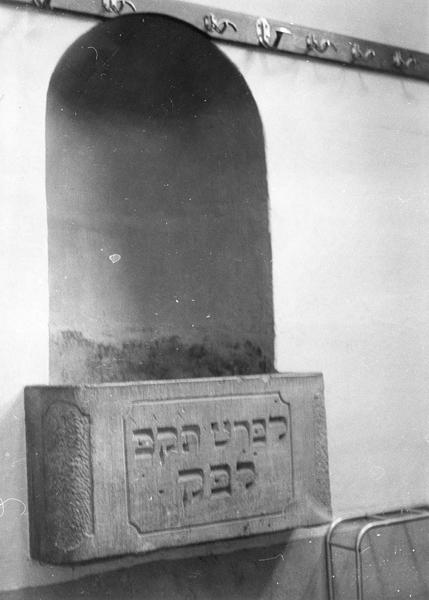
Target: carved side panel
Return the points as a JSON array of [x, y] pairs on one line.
[[68, 476], [322, 487]]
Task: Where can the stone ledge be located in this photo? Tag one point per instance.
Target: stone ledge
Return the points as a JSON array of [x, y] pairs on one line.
[[122, 469]]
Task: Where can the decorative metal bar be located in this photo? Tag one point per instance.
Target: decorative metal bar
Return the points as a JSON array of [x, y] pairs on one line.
[[260, 31]]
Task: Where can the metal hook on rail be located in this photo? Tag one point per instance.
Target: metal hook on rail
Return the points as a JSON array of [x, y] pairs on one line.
[[263, 32], [357, 52], [42, 3], [314, 44], [212, 24], [117, 6], [400, 61]]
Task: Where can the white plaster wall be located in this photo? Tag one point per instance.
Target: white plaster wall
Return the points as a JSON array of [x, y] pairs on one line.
[[31, 45], [347, 154], [349, 187]]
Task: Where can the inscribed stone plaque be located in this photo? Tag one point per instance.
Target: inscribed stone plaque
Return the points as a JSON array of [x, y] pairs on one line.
[[207, 460], [132, 468]]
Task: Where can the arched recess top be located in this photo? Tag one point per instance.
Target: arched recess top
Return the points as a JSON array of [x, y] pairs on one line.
[[159, 246]]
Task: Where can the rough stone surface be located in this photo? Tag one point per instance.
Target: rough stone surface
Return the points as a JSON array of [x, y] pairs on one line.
[[87, 361], [133, 468], [67, 475]]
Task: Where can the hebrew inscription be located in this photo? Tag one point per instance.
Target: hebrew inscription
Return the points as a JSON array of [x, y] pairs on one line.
[[202, 461], [128, 468]]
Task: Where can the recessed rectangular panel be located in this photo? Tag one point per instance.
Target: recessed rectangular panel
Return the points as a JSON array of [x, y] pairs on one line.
[[138, 467], [207, 460]]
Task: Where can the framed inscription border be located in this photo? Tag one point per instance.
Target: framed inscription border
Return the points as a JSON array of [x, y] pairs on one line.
[[132, 468]]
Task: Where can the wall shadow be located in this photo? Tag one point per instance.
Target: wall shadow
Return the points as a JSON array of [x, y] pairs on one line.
[[295, 571], [159, 244]]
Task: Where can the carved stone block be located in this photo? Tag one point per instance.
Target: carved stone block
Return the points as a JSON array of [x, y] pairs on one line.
[[131, 468]]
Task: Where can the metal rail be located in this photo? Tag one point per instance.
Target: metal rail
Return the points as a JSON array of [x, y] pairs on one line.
[[259, 31], [375, 521]]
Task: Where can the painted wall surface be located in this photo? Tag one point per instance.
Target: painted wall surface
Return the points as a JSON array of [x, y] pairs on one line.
[[348, 187], [349, 192]]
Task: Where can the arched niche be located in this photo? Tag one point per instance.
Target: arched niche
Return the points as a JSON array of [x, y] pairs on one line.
[[159, 245]]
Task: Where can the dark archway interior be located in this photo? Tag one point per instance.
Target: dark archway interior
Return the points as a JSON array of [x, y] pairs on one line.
[[159, 245]]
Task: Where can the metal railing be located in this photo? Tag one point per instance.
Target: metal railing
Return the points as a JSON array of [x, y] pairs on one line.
[[374, 521]]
